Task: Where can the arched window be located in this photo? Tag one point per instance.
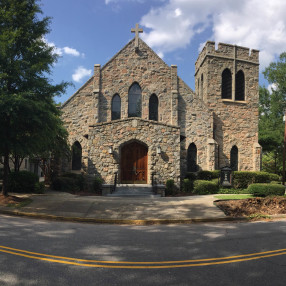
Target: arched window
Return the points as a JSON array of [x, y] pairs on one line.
[[116, 107], [134, 101], [192, 158], [153, 107], [202, 86], [239, 86], [76, 156], [226, 84], [234, 158]]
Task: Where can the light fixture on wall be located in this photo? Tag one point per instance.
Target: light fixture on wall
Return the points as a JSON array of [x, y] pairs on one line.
[[159, 150], [110, 150]]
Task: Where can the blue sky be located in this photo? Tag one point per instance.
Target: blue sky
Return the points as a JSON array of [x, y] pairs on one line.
[[89, 32]]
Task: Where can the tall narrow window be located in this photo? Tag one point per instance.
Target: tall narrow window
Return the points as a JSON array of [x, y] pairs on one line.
[[116, 107], [234, 158], [76, 156], [192, 158], [134, 101], [226, 84], [202, 86], [239, 86], [153, 107]]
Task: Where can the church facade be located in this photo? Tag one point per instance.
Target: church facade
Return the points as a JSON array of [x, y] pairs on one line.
[[137, 118]]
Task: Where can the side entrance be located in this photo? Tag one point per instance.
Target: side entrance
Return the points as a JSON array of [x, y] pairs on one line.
[[134, 163]]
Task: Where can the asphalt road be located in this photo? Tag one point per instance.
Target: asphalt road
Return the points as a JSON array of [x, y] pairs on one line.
[[38, 252]]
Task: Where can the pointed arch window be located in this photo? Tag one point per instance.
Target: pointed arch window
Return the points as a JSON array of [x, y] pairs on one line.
[[192, 158], [202, 86], [234, 158], [239, 86], [153, 107], [76, 156], [116, 107], [134, 101], [226, 84]]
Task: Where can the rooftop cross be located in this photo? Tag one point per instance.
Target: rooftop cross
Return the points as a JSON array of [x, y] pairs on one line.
[[136, 31]]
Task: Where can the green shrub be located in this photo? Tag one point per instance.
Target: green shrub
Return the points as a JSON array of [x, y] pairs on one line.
[[78, 178], [203, 187], [65, 184], [242, 179], [208, 175], [263, 190], [39, 188], [188, 186], [191, 176], [232, 191], [22, 182], [170, 187], [97, 185]]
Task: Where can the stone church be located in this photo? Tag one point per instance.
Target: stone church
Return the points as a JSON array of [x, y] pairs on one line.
[[137, 118]]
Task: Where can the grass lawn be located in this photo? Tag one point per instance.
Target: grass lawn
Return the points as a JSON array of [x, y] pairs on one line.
[[233, 197]]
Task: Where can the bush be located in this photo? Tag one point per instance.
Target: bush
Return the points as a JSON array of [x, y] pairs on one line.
[[97, 185], [191, 176], [242, 179], [263, 190], [188, 186], [170, 187], [65, 184], [208, 175], [203, 187], [22, 182], [232, 191], [39, 188], [78, 178]]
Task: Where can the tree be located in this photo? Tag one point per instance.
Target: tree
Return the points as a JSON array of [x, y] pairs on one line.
[[29, 118], [271, 111]]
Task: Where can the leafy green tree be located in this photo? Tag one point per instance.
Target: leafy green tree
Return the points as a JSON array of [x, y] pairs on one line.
[[29, 118], [271, 111]]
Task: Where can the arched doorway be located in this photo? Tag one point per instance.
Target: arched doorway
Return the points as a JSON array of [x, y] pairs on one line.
[[76, 156], [134, 163]]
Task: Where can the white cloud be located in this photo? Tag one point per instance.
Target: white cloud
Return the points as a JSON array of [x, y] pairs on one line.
[[64, 50], [257, 24], [272, 87], [81, 73]]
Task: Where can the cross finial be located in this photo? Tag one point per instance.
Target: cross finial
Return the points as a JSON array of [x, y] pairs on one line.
[[136, 31]]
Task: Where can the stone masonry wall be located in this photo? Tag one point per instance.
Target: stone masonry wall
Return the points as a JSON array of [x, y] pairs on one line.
[[235, 122], [150, 133]]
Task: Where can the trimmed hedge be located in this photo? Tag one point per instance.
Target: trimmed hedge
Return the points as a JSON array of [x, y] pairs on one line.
[[208, 175], [170, 187], [263, 190], [78, 178], [191, 176], [203, 187], [97, 185], [188, 186], [65, 184], [23, 182], [242, 179]]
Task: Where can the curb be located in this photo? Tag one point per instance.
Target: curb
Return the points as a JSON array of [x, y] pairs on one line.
[[120, 221]]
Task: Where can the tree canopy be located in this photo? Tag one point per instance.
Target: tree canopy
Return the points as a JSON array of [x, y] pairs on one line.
[[29, 118], [271, 111]]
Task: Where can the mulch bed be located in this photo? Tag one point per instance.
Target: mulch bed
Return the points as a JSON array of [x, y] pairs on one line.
[[10, 200], [248, 207]]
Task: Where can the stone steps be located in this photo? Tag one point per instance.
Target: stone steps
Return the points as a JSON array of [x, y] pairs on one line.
[[133, 190]]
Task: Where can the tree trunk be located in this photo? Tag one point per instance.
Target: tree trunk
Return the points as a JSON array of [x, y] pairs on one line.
[[6, 173]]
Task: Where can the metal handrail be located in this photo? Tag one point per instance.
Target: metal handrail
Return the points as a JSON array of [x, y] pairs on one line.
[[115, 182]]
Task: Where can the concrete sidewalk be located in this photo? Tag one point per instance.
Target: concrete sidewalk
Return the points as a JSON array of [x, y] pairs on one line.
[[131, 210]]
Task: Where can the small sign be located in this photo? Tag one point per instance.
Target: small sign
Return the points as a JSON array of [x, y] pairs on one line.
[[226, 177]]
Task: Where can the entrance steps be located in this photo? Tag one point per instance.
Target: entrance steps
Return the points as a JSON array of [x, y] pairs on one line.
[[133, 190]]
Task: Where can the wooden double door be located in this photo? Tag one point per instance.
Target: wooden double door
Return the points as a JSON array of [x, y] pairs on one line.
[[134, 163]]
